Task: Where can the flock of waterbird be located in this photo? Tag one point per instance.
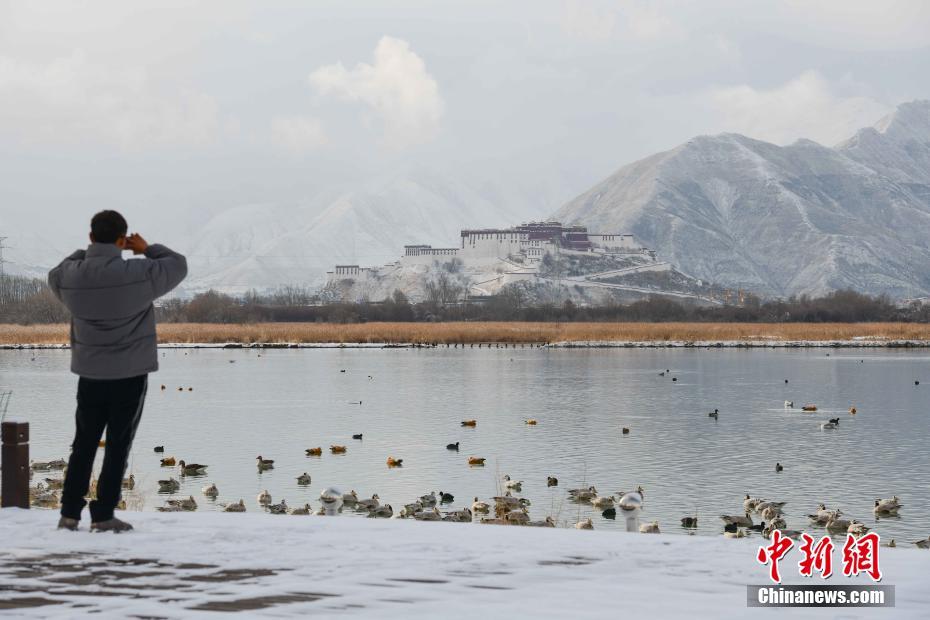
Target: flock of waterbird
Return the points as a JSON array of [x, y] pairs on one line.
[[508, 509], [737, 526]]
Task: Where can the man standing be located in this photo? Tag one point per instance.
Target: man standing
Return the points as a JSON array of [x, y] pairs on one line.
[[113, 348]]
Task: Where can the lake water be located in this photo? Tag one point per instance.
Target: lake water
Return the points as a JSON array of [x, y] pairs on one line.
[[278, 402]]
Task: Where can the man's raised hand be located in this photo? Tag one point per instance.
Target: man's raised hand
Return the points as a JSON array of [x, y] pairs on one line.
[[136, 243]]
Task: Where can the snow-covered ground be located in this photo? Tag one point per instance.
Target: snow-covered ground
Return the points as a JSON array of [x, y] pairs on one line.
[[192, 565]]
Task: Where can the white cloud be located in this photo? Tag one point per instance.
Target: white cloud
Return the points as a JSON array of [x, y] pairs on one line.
[[829, 24], [396, 88], [843, 24], [807, 106], [633, 20], [646, 22], [298, 133], [71, 99], [585, 20]]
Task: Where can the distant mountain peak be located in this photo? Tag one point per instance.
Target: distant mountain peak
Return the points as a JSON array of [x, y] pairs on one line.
[[367, 225], [909, 121], [802, 218]]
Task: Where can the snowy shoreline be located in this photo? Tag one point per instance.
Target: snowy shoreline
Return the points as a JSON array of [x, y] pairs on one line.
[[864, 343], [194, 564]]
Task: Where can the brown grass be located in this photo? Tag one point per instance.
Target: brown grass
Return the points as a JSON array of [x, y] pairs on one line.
[[442, 333]]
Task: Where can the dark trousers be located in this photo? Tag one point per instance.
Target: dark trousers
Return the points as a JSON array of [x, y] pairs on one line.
[[117, 406]]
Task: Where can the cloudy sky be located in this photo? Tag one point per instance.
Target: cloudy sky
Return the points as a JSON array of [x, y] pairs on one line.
[[173, 111]]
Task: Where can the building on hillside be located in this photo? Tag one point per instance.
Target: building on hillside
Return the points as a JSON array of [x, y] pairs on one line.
[[531, 241], [349, 272], [427, 253], [526, 244], [615, 243]]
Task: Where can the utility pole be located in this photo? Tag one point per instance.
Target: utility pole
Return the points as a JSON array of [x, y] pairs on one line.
[[2, 273], [558, 281]]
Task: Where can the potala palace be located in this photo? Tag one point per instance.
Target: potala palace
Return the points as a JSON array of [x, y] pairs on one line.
[[587, 265], [524, 244]]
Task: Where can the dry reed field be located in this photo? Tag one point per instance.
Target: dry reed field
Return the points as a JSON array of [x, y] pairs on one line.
[[451, 333]]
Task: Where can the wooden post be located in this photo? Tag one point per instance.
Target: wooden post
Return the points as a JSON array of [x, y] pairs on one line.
[[14, 485]]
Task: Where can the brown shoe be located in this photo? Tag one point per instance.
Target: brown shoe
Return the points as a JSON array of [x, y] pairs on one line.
[[67, 523], [110, 525]]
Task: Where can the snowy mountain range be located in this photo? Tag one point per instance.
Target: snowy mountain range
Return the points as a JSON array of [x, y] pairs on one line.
[[263, 246], [782, 220], [728, 209]]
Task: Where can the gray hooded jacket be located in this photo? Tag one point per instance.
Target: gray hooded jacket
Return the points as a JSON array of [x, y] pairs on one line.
[[110, 300]]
